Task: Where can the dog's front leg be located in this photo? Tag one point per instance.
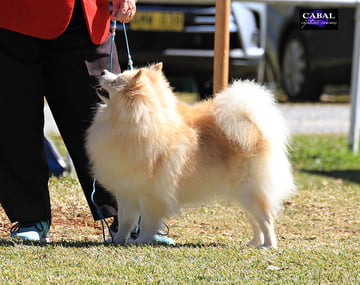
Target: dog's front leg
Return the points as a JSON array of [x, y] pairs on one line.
[[152, 213], [149, 227], [128, 214]]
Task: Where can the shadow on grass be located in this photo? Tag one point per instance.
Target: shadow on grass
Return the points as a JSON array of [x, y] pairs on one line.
[[86, 244], [75, 244], [200, 245], [347, 174]]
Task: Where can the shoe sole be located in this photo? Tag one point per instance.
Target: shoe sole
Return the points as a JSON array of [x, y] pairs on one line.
[[42, 240]]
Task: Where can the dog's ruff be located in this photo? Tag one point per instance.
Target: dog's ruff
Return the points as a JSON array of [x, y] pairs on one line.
[[156, 154]]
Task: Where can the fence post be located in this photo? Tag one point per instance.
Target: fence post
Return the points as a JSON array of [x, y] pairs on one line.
[[221, 44], [355, 88]]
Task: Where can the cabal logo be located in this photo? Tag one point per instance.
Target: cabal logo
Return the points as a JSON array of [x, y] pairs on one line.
[[319, 19]]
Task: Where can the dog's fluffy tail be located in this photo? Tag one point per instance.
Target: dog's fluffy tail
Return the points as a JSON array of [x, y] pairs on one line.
[[245, 104], [246, 112]]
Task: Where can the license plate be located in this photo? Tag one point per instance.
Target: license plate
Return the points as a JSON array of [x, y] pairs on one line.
[[158, 21]]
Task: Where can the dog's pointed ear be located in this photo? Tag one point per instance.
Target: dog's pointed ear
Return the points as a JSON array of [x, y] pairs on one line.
[[137, 76], [158, 66]]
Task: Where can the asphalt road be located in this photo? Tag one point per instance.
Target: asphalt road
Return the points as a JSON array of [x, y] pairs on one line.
[[320, 118], [301, 118]]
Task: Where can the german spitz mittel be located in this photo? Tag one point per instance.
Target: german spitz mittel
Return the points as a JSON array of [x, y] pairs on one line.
[[156, 154]]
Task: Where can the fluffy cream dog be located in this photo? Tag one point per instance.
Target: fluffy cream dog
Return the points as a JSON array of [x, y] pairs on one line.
[[156, 154]]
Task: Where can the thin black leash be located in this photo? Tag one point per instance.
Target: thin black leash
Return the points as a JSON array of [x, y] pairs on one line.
[[130, 66]]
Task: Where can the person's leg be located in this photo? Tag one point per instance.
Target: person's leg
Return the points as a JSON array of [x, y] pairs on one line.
[[72, 69], [23, 167]]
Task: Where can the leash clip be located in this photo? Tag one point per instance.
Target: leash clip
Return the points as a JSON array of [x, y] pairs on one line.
[[130, 62]]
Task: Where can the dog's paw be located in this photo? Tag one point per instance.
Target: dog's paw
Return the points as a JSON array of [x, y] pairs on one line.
[[253, 242], [115, 240], [132, 241], [261, 245], [267, 246], [157, 240], [109, 240], [140, 242]]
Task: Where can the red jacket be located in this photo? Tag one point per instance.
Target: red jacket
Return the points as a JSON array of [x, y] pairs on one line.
[[47, 19]]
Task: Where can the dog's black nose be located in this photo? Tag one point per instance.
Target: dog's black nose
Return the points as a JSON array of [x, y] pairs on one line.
[[103, 73]]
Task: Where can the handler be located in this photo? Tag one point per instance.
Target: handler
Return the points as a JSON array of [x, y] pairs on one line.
[[55, 49]]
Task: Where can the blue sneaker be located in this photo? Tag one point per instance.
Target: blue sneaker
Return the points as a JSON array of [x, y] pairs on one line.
[[161, 239], [31, 231]]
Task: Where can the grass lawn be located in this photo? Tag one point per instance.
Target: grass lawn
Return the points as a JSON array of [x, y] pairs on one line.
[[318, 231]]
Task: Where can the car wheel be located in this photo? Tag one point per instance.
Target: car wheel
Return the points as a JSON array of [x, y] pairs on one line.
[[299, 81]]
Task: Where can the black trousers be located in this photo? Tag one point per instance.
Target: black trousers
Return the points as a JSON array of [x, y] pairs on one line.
[[66, 71]]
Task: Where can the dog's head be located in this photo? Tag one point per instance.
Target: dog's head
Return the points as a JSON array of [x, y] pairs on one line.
[[132, 83], [138, 92]]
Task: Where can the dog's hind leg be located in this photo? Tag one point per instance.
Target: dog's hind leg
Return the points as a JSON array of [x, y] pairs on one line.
[[128, 214], [266, 224], [258, 237], [259, 215]]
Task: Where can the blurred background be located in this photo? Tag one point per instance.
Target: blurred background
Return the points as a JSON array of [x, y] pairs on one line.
[[266, 44], [309, 67]]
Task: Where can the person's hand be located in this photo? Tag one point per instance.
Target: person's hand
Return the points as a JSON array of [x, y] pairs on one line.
[[124, 10]]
